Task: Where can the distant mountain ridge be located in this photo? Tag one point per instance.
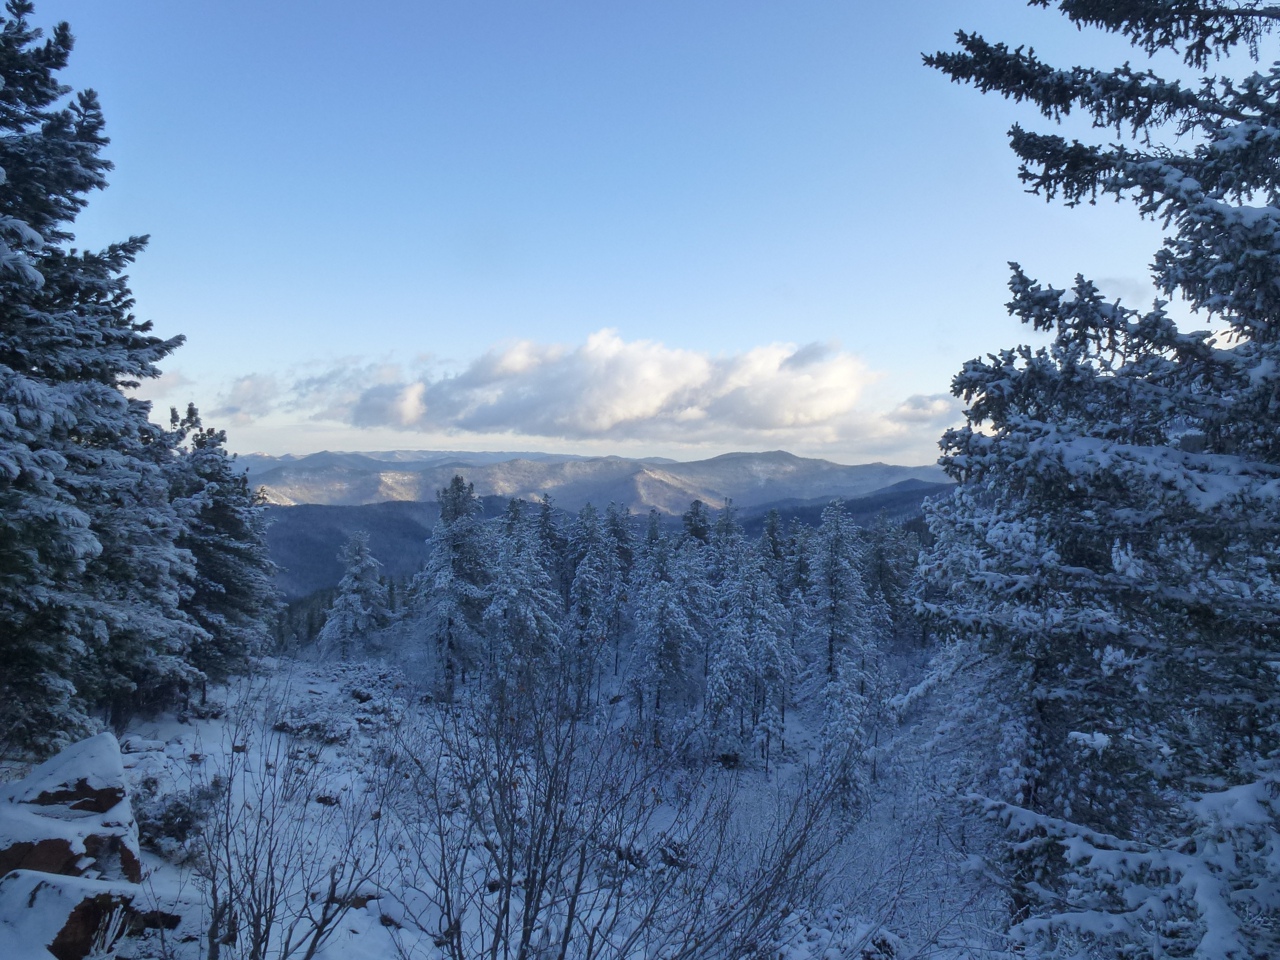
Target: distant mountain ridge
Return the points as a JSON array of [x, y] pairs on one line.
[[749, 479], [305, 540]]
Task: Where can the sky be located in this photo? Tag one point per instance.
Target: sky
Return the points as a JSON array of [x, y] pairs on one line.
[[643, 229]]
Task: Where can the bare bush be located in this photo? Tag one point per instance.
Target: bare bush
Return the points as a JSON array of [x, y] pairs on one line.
[[533, 830], [288, 844]]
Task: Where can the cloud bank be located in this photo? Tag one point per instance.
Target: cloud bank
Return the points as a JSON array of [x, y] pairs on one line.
[[606, 389]]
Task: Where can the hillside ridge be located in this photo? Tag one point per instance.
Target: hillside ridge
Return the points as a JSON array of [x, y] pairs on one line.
[[641, 484]]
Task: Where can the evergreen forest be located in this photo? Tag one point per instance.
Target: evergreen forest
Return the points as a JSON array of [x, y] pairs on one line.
[[1041, 720]]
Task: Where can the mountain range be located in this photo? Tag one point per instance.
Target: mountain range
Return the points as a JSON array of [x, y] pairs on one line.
[[319, 500], [749, 479]]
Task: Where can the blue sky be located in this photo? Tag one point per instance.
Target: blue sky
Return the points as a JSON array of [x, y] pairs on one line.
[[659, 228]]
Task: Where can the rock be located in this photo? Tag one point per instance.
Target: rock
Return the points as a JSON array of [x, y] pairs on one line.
[[69, 864], [50, 855], [44, 916], [87, 776], [71, 816]]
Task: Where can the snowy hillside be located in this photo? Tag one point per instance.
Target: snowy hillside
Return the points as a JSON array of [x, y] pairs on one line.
[[749, 479]]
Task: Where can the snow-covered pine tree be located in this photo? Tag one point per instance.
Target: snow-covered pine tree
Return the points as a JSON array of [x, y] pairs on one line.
[[553, 547], [619, 533], [619, 526], [89, 574], [233, 597], [891, 557], [751, 667], [361, 604], [842, 644], [727, 542], [725, 660], [667, 643], [523, 612], [773, 551], [845, 734], [596, 598], [1110, 564], [840, 620], [697, 523], [450, 593], [798, 567]]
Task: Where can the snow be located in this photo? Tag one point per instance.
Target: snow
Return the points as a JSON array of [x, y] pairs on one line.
[[34, 907], [370, 701], [93, 764], [1096, 742]]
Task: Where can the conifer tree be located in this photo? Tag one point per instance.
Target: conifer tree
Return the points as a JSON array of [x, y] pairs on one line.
[[840, 620], [361, 604], [845, 734], [619, 533], [90, 579], [596, 596], [697, 522], [750, 662], [553, 548], [1113, 551], [667, 643], [233, 596], [619, 527], [451, 592], [891, 557], [522, 615], [773, 551]]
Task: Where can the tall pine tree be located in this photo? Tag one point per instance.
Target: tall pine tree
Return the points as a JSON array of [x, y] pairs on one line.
[[361, 604], [450, 593], [90, 578], [1113, 552], [233, 596]]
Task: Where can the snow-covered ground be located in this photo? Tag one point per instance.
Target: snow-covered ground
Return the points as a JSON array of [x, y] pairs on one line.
[[295, 794]]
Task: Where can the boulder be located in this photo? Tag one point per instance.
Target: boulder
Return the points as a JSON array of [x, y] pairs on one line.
[[43, 916], [85, 777], [69, 863], [71, 816]]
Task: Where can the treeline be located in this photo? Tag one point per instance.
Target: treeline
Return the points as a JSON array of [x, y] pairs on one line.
[[132, 560], [702, 628]]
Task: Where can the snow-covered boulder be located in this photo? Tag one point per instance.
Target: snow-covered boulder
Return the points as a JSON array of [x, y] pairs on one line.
[[87, 776], [44, 916], [71, 816]]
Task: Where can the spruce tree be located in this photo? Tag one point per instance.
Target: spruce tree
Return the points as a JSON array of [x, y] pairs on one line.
[[840, 619], [697, 523], [620, 535], [773, 551], [90, 579], [522, 613], [891, 558], [596, 598], [1110, 564], [360, 606], [450, 593], [553, 548], [667, 643], [750, 665], [233, 596]]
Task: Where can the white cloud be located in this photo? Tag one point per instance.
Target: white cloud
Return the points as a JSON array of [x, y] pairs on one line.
[[248, 398], [169, 386], [940, 410], [607, 388], [606, 394]]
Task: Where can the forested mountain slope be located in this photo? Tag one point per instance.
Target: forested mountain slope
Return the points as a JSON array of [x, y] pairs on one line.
[[749, 479], [305, 539]]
